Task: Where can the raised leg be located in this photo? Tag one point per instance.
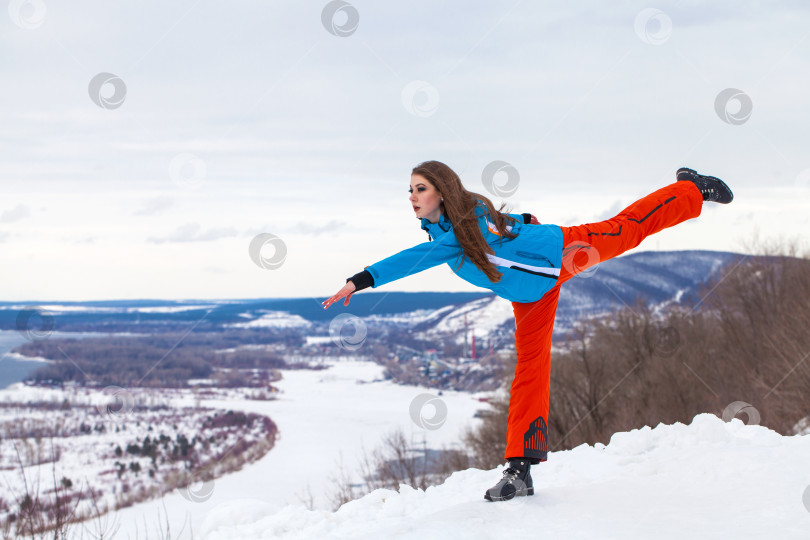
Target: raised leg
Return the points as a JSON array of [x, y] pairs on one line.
[[592, 243]]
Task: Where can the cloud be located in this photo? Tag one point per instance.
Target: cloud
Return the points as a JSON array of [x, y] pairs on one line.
[[192, 232], [216, 270], [611, 212], [316, 230], [154, 206], [19, 212], [86, 239]]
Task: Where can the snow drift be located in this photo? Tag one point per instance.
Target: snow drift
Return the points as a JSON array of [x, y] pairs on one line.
[[710, 479]]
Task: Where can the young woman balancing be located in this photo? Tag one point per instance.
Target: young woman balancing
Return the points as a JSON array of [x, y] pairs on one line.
[[526, 263]]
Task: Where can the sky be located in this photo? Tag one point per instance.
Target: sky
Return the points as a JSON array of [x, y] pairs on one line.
[[144, 148]]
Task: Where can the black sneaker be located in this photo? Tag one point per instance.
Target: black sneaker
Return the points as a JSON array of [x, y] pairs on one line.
[[713, 189], [516, 482]]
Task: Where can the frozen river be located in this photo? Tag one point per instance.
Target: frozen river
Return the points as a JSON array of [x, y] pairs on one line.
[[323, 417]]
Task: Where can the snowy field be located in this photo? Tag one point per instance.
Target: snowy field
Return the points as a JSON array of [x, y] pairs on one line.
[[323, 417], [709, 479]]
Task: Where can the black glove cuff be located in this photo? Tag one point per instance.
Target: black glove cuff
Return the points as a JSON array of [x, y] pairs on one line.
[[527, 218], [362, 280]]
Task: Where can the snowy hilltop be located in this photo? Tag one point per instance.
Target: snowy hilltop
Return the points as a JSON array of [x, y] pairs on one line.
[[709, 479]]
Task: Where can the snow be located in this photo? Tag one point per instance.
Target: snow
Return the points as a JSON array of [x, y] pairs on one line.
[[410, 317], [710, 479], [22, 358], [317, 340], [274, 319], [323, 417], [169, 309], [59, 308], [483, 316]]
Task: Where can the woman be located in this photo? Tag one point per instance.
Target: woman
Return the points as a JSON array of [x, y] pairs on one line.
[[526, 263]]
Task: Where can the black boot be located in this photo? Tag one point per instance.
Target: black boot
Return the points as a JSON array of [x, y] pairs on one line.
[[713, 189], [516, 482]]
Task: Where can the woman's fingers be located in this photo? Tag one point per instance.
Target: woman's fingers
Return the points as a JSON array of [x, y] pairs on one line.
[[329, 301], [335, 299], [347, 291]]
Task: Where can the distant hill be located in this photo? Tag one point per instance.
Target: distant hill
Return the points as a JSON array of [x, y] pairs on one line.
[[656, 277]]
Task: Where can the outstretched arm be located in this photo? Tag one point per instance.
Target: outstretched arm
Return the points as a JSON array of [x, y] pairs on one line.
[[405, 263]]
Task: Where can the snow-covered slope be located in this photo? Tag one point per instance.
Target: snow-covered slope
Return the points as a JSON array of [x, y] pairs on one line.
[[655, 277], [710, 479], [483, 317]]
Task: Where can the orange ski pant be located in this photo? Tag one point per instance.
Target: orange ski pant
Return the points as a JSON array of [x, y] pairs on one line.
[[583, 247]]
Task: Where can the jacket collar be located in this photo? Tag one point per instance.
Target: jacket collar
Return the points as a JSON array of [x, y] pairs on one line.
[[443, 223]]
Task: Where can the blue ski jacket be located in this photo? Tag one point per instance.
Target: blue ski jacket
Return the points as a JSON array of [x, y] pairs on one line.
[[530, 263]]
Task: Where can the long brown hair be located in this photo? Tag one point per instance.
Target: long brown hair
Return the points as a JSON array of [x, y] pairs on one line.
[[459, 208]]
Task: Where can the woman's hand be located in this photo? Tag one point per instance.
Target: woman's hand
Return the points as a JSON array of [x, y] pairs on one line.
[[534, 221], [346, 291]]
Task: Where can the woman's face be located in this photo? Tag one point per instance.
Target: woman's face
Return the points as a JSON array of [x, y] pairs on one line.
[[424, 198]]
